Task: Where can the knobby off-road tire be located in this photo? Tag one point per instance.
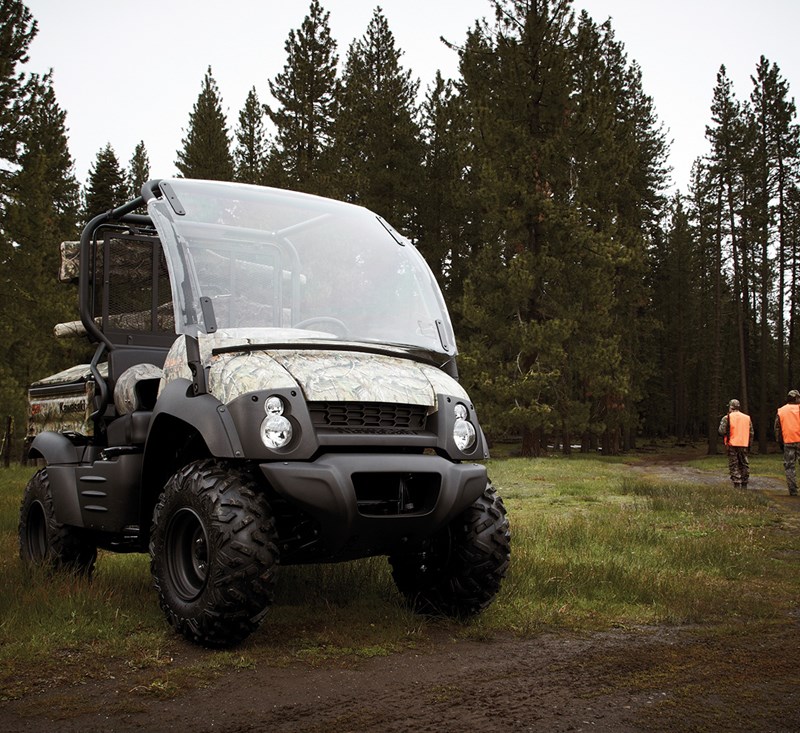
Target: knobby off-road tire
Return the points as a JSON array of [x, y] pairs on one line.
[[213, 554], [46, 542], [461, 573]]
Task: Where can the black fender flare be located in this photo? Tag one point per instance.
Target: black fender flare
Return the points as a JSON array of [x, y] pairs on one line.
[[53, 448], [204, 412], [179, 413], [62, 458]]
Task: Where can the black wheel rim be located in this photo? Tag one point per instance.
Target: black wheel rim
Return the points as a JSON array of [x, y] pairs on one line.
[[186, 549], [36, 532]]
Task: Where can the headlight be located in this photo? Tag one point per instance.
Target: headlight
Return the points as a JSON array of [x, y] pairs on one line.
[[276, 431], [273, 405], [464, 433]]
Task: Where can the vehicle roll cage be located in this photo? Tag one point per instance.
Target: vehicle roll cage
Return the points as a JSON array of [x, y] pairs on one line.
[[125, 216]]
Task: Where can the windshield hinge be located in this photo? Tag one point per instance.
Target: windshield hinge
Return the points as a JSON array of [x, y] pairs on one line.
[[172, 197]]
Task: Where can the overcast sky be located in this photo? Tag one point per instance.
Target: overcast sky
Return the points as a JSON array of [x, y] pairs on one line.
[[131, 71]]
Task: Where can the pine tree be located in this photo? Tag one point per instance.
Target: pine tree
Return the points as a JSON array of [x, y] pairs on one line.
[[107, 186], [713, 304], [306, 92], [791, 233], [42, 212], [778, 151], [446, 226], [250, 153], [377, 131], [17, 30], [743, 197], [557, 111], [516, 88], [675, 392], [138, 170], [206, 151], [727, 136], [613, 135]]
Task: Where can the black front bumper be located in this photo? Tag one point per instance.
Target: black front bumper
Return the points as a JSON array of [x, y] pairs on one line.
[[369, 504]]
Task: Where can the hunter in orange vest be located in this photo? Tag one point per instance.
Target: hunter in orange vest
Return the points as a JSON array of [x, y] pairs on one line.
[[787, 433], [738, 431]]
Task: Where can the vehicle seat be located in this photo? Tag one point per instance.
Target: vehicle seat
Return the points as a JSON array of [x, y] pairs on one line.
[[137, 388], [135, 395]]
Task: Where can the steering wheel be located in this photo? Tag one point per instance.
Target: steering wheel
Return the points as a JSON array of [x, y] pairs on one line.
[[339, 327]]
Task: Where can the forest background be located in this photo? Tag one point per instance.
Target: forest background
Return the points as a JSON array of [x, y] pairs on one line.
[[592, 309]]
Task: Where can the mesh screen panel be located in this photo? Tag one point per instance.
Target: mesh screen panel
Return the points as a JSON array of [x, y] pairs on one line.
[[134, 292]]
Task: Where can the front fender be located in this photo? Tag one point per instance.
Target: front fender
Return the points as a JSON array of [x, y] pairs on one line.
[[204, 414]]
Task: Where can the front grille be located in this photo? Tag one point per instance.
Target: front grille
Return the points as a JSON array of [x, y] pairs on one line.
[[370, 417]]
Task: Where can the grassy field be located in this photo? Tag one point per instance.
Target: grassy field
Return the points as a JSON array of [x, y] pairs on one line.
[[592, 548]]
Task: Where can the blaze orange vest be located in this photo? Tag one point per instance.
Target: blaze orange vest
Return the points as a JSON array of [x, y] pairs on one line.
[[739, 429], [790, 423]]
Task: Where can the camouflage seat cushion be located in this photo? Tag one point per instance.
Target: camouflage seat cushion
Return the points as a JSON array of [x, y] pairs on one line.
[[136, 388]]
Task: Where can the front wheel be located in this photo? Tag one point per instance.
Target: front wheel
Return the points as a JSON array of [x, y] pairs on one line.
[[213, 554], [460, 574], [43, 540]]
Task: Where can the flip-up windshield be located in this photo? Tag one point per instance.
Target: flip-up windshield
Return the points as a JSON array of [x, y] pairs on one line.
[[245, 257]]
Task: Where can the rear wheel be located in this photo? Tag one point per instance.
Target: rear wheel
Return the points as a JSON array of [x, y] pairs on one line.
[[461, 572], [45, 541], [213, 554]]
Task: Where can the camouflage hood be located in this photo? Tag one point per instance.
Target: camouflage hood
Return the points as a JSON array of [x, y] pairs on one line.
[[322, 374]]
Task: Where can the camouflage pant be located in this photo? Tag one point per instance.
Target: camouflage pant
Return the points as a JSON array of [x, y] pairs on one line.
[[790, 455], [738, 465]]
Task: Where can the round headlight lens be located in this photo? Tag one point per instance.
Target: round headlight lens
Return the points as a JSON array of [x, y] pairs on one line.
[[464, 435], [276, 431], [460, 411], [273, 405]]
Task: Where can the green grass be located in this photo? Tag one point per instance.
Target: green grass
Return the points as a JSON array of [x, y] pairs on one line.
[[592, 548]]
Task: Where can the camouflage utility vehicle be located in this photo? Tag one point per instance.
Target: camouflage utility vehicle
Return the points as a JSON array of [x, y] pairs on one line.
[[274, 381]]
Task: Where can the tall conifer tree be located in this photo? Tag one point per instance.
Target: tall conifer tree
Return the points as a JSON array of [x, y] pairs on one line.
[[206, 151], [305, 92], [42, 212], [707, 213], [447, 228], [377, 131], [727, 136], [516, 85], [676, 292], [17, 30], [777, 147], [557, 112], [251, 143], [614, 135], [138, 169], [107, 186], [791, 233]]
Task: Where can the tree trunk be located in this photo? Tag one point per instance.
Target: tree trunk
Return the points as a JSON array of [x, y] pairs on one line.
[[716, 340]]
